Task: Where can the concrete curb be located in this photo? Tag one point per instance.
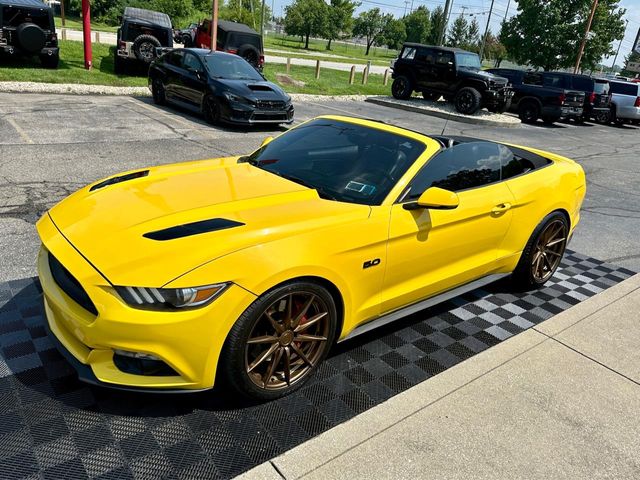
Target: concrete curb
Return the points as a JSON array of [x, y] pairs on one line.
[[387, 102], [338, 441]]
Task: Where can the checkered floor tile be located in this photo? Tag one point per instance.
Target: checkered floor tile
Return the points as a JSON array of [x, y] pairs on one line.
[[54, 427]]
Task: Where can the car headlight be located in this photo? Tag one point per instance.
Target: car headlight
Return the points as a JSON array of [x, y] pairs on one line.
[[168, 298], [232, 97]]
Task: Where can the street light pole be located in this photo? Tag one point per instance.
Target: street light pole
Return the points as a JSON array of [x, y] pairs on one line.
[[586, 35], [486, 31], [214, 25], [447, 6]]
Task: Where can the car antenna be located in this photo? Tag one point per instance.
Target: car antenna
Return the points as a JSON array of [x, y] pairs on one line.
[[445, 126]]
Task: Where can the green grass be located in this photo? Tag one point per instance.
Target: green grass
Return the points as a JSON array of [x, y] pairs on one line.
[[71, 68], [378, 56], [331, 82], [76, 24]]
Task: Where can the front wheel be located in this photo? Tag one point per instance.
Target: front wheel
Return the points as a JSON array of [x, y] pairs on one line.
[[543, 252], [467, 100], [211, 110], [279, 341], [401, 88]]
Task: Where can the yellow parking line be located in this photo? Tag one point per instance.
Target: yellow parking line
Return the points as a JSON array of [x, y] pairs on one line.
[[21, 132]]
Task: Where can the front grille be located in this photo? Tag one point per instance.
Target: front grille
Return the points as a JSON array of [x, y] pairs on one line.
[[265, 117], [70, 285], [270, 104]]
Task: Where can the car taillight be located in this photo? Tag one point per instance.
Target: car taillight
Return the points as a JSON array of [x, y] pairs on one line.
[[122, 45], [232, 50], [562, 98], [592, 97], [261, 62]]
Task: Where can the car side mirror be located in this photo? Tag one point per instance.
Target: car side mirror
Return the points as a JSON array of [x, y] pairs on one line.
[[435, 198], [266, 141]]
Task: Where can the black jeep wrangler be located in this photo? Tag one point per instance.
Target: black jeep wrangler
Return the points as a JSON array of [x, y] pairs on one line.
[[27, 28], [449, 72], [141, 32]]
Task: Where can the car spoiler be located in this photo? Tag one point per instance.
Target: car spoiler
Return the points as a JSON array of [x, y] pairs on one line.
[[162, 50]]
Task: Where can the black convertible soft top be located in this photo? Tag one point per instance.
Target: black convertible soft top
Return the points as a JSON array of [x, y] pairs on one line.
[[151, 18]]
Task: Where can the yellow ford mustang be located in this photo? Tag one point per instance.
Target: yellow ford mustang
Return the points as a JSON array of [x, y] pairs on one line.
[[245, 270]]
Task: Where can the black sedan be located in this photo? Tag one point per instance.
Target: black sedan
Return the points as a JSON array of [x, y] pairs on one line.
[[224, 87]]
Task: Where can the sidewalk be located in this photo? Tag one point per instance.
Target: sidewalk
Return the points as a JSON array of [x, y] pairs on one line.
[[560, 400]]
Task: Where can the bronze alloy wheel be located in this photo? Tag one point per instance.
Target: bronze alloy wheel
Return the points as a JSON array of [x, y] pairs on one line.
[[288, 340], [549, 250]]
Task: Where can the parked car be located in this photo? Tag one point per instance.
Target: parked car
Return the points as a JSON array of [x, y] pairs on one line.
[[186, 36], [449, 72], [27, 29], [236, 38], [139, 35], [625, 102], [595, 103], [223, 86], [243, 272], [533, 100]]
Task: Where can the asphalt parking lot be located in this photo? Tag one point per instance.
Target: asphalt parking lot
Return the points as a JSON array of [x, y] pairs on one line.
[[52, 145]]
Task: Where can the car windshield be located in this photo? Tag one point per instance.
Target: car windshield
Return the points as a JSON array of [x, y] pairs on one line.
[[602, 87], [230, 67], [468, 60], [343, 161]]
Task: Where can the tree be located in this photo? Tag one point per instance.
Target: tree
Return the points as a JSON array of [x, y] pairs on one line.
[[248, 12], [394, 34], [306, 18], [472, 38], [548, 34], [459, 32], [371, 25], [340, 19], [418, 25], [494, 49], [437, 21]]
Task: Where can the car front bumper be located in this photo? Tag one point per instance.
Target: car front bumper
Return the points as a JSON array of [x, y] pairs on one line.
[[497, 97], [241, 114], [187, 341]]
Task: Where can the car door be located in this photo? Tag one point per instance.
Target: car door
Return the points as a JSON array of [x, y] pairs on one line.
[[445, 70], [172, 74], [424, 64], [430, 251], [194, 79]]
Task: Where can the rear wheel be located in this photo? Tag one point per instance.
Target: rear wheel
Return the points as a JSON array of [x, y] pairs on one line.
[[603, 117], [528, 112], [543, 252], [467, 100], [401, 88], [278, 342], [158, 92], [186, 41]]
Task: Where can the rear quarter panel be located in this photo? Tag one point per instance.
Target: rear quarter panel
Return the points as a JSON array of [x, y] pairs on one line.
[[558, 186]]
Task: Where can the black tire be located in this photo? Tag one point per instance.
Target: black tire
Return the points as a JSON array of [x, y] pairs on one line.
[[250, 54], [433, 96], [401, 88], [468, 100], [550, 120], [233, 367], [50, 61], [603, 118], [579, 120], [144, 48], [528, 111], [31, 37], [501, 107], [523, 276], [158, 92], [186, 41], [211, 110]]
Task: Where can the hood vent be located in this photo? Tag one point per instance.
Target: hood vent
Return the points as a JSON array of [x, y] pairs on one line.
[[260, 88], [119, 179], [195, 228]]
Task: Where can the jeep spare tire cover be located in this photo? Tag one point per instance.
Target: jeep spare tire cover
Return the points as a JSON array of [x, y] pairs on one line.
[[30, 37], [250, 54], [144, 48]]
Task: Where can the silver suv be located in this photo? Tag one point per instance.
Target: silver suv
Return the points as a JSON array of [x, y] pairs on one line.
[[625, 102]]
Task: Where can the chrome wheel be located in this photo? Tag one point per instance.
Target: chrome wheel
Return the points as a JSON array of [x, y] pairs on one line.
[[549, 250], [288, 340]]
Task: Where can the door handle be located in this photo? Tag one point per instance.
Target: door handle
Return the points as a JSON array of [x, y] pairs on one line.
[[503, 207]]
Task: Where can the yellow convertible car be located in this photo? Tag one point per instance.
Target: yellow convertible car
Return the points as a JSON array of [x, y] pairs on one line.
[[244, 271]]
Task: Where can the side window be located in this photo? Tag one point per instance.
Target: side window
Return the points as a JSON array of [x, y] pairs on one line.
[[553, 81], [463, 166], [421, 55], [191, 62], [175, 58], [532, 78], [584, 84], [514, 165], [408, 53], [444, 58], [624, 88]]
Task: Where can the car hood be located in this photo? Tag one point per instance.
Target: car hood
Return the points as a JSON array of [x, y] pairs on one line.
[[108, 224], [482, 74], [259, 90]]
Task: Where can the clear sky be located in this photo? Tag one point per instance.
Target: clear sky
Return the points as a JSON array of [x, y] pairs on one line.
[[480, 9]]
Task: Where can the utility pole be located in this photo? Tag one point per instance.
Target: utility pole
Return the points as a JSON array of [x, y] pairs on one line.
[[214, 26], [506, 12], [62, 11], [615, 59], [486, 31], [447, 7], [406, 4], [86, 34], [586, 35], [411, 10], [262, 22]]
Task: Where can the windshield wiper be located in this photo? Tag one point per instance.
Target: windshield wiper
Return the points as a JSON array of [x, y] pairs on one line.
[[321, 191]]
